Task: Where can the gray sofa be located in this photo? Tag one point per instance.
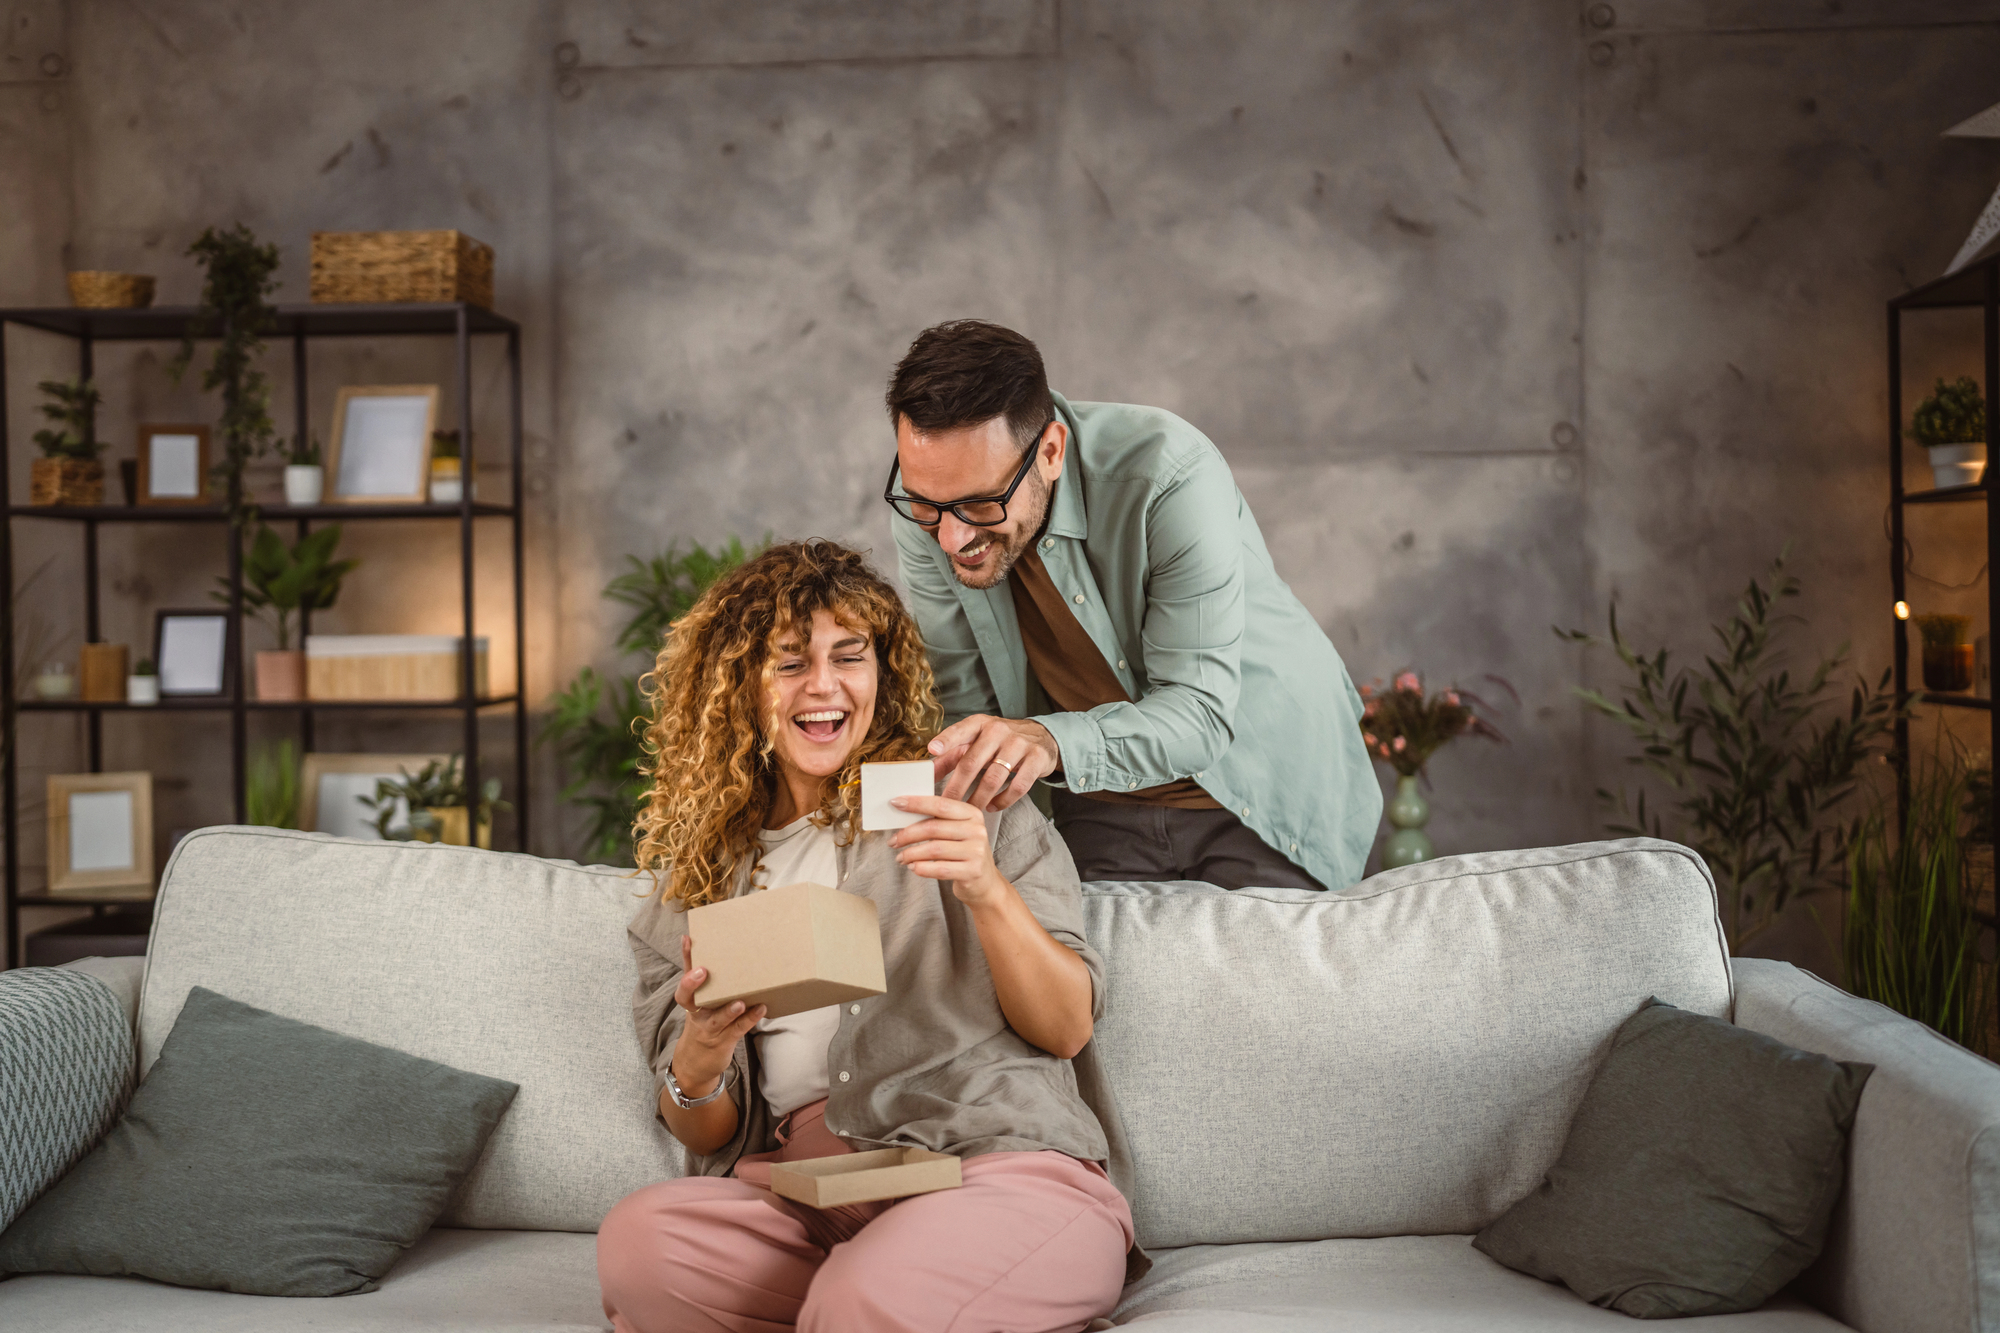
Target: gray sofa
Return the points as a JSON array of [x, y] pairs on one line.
[[1325, 1094]]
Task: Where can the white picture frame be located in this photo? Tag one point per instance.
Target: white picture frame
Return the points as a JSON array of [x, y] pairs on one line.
[[380, 449], [100, 828], [331, 785]]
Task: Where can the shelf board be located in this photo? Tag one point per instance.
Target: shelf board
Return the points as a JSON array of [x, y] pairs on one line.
[[100, 898], [1955, 700], [171, 323], [259, 705], [269, 513], [1946, 494]]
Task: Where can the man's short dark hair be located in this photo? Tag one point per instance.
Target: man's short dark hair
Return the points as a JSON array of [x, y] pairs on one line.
[[968, 371]]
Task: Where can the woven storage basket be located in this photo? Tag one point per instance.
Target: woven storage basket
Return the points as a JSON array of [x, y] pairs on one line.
[[366, 266], [111, 291], [66, 481]]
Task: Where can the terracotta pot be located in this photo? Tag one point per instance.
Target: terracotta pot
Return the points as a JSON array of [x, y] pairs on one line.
[[451, 832], [66, 481], [281, 676]]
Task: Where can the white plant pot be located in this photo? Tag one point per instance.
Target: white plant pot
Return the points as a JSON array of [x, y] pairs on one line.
[[446, 490], [142, 689], [1957, 464], [304, 483]]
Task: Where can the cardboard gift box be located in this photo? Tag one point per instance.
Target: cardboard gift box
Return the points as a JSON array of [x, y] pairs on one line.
[[390, 666], [800, 947], [863, 1177]]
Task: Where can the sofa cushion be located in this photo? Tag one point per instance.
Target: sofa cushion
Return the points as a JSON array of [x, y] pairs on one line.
[[509, 965], [1698, 1175], [264, 1155], [1399, 1058], [1438, 1284], [65, 1071], [449, 1282]]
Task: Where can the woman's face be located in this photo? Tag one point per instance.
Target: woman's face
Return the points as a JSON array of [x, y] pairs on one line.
[[824, 697]]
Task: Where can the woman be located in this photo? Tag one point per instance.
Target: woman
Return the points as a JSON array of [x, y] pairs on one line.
[[787, 675]]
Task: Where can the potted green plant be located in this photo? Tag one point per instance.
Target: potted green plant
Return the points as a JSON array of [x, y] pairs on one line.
[[435, 798], [68, 472], [305, 479], [1951, 425], [142, 687], [1948, 652], [271, 786], [450, 472], [278, 580], [1403, 727], [237, 276]]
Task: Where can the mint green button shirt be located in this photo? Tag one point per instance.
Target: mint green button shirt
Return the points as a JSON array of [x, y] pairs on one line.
[[1236, 685]]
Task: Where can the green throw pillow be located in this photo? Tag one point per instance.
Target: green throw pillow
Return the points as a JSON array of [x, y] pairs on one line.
[[267, 1156], [1698, 1175]]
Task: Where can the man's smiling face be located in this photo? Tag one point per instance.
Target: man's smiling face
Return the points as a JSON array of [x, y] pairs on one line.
[[967, 462]]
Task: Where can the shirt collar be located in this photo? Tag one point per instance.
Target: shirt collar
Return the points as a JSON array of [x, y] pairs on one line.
[[1066, 513]]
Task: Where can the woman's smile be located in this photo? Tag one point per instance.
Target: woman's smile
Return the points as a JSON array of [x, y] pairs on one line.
[[821, 726]]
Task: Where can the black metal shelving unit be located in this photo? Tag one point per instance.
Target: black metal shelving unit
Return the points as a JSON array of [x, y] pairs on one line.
[[298, 325]]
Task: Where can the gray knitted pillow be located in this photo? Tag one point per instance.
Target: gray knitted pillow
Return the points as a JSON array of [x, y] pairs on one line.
[[65, 1072]]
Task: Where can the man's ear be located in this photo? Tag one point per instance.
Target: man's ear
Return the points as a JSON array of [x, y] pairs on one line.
[[1054, 448]]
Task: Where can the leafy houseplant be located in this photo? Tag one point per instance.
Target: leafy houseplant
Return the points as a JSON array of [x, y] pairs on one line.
[[143, 685], [305, 479], [435, 797], [68, 472], [1951, 425], [279, 580], [1403, 727], [595, 722], [1756, 762], [449, 471], [1948, 653], [1912, 937], [271, 787], [238, 276]]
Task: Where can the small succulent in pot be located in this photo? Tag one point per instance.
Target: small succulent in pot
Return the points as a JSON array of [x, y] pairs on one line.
[[1951, 425], [305, 479]]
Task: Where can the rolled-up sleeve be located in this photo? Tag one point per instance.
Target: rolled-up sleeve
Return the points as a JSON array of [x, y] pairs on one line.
[[1038, 864], [963, 685], [1192, 646]]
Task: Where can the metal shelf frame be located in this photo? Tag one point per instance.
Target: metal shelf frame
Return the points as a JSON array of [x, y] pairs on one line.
[[298, 325]]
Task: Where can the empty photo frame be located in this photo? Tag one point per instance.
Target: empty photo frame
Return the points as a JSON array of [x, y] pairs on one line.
[[381, 447], [173, 465], [331, 787], [191, 652], [100, 832]]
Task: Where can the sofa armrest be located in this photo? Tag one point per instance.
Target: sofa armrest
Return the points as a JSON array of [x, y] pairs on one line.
[[67, 1062], [1915, 1243], [125, 977]]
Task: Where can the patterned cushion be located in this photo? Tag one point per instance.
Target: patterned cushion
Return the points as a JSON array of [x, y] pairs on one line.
[[65, 1072]]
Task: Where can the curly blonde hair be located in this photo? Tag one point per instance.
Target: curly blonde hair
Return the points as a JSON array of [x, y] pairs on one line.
[[714, 770]]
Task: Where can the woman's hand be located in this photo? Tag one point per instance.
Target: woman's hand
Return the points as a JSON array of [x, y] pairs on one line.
[[708, 1040], [950, 845]]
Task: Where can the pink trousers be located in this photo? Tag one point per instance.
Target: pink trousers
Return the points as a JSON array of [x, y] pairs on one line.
[[1032, 1242]]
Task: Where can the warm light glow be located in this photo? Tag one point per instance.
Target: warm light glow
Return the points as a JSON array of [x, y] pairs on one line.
[[1902, 610]]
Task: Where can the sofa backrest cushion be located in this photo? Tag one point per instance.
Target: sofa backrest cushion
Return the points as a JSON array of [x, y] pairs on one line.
[[508, 966], [1401, 1058]]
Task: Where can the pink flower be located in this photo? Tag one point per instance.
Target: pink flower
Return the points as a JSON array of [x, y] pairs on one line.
[[1400, 743], [1369, 711], [1451, 697], [1408, 681]]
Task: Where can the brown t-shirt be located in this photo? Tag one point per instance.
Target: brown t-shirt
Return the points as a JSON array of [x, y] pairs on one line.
[[1075, 676]]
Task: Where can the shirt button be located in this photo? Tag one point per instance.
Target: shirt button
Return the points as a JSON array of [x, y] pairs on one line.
[[1121, 664], [1295, 849], [1131, 786], [1048, 543], [1079, 599], [843, 1076], [1201, 774], [855, 1008], [1246, 812]]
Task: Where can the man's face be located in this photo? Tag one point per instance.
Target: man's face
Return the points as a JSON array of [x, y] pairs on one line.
[[971, 462]]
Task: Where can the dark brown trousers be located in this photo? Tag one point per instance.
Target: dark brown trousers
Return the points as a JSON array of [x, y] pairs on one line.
[[1156, 842]]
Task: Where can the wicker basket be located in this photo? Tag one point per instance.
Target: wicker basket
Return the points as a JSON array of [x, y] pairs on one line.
[[111, 291], [66, 481], [367, 266]]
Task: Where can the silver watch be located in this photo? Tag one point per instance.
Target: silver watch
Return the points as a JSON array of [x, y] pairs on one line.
[[687, 1103]]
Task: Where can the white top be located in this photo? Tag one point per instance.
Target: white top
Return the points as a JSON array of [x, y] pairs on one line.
[[792, 1050]]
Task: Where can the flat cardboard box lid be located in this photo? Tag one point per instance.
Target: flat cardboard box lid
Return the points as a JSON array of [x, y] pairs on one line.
[[863, 1177], [800, 947]]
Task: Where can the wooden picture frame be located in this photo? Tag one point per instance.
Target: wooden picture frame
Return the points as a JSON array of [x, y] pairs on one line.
[[165, 460], [189, 677], [100, 832], [316, 768], [380, 449]]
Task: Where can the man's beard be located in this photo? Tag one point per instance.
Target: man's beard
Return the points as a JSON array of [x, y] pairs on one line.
[[1002, 561]]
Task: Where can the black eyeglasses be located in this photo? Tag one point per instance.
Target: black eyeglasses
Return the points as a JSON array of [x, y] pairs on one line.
[[980, 511]]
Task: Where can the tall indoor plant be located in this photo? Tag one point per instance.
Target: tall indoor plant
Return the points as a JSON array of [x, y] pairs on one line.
[[238, 274], [279, 580]]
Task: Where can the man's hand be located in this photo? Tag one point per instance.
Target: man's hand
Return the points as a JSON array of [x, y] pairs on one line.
[[1002, 756]]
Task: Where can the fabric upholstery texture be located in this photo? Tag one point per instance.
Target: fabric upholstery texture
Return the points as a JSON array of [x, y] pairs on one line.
[[1402, 1284], [267, 1156], [1698, 1175], [509, 965], [1915, 1243], [1429, 1033], [65, 1072], [449, 1282]]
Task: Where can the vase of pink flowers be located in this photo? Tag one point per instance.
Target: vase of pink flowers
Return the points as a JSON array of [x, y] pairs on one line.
[[1403, 727]]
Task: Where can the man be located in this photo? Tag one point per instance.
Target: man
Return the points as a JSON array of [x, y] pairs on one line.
[[1102, 615]]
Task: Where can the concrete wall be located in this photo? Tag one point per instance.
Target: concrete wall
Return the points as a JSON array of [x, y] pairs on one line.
[[1498, 311]]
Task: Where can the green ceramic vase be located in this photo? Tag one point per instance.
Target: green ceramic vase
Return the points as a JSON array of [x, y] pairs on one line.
[[1409, 812]]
